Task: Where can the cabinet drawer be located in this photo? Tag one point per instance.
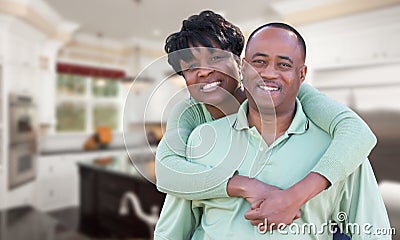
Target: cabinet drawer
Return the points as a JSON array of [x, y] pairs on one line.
[[58, 192]]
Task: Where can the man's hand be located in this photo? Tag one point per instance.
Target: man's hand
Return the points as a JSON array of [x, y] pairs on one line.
[[250, 189], [276, 207]]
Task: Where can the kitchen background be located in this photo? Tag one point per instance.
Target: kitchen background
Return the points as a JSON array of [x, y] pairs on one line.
[[70, 113]]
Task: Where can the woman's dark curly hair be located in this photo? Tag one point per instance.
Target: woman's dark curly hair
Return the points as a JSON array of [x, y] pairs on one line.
[[204, 30]]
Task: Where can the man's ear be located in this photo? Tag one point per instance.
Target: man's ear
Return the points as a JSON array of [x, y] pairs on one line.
[[303, 73]]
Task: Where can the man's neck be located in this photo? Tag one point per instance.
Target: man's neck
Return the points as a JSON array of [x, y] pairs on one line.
[[270, 124]]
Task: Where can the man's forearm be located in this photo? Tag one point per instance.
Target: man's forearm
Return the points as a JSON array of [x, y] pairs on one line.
[[237, 186], [250, 189]]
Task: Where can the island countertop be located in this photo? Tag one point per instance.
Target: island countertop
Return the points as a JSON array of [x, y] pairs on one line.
[[138, 164]]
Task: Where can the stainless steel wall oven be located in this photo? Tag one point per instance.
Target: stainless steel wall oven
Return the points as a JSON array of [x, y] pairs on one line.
[[23, 150]]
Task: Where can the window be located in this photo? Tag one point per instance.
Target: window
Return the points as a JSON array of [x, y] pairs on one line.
[[86, 102]]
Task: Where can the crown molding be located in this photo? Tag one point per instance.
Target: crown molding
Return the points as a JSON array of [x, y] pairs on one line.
[[41, 17]]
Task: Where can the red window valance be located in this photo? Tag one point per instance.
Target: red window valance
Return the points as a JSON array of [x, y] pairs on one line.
[[68, 68]]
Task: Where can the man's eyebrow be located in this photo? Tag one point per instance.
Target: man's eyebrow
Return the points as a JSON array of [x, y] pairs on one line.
[[258, 54], [286, 58]]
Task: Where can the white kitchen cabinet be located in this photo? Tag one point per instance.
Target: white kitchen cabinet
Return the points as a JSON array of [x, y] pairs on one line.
[[57, 182], [22, 58]]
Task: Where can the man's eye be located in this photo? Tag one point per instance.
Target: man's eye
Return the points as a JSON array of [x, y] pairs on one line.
[[285, 65], [258, 62]]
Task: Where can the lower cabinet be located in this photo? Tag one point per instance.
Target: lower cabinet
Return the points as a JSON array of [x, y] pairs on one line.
[[101, 193], [56, 183]]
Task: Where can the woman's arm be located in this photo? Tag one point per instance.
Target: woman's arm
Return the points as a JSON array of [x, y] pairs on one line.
[[347, 129], [174, 173]]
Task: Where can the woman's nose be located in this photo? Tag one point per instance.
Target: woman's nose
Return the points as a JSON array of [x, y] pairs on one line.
[[204, 71]]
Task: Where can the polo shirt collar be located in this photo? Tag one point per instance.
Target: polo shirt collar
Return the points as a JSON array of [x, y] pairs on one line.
[[299, 124], [241, 121]]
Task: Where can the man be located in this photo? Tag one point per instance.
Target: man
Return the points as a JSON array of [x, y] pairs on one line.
[[279, 146]]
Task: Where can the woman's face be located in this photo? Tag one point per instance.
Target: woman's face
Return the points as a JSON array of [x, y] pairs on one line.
[[212, 74]]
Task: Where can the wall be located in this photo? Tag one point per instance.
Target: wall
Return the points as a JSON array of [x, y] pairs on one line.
[[353, 42]]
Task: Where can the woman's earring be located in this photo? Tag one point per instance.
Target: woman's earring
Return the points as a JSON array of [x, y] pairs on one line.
[[241, 83]]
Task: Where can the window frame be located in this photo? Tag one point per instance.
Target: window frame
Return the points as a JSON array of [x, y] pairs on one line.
[[91, 101]]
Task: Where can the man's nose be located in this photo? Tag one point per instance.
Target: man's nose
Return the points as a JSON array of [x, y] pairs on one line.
[[269, 72]]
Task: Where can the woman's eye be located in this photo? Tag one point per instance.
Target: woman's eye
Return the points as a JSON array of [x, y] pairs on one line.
[[215, 58], [191, 67]]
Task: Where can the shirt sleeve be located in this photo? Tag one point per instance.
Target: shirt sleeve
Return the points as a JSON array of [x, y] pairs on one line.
[[174, 173], [360, 211], [177, 219], [347, 129]]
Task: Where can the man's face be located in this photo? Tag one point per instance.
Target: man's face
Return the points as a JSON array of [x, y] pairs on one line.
[[211, 75], [273, 69]]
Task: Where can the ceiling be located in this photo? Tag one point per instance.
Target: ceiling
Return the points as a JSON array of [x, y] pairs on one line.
[[150, 19], [153, 20]]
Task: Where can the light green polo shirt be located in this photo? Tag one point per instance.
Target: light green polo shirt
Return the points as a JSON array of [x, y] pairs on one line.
[[289, 159]]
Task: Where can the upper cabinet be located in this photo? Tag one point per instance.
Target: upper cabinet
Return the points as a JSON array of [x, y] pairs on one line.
[[28, 66]]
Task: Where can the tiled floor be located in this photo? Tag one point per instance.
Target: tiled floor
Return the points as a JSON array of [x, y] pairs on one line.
[[69, 218], [27, 223]]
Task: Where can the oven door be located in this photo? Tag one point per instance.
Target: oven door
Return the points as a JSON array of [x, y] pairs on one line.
[[22, 119], [22, 163]]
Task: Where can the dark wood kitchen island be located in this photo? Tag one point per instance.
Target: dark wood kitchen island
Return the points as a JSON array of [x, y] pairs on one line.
[[103, 184]]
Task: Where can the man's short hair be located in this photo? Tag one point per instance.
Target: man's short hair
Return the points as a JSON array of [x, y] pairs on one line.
[[285, 26]]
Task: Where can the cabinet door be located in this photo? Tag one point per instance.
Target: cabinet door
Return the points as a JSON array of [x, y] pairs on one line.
[[57, 183]]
